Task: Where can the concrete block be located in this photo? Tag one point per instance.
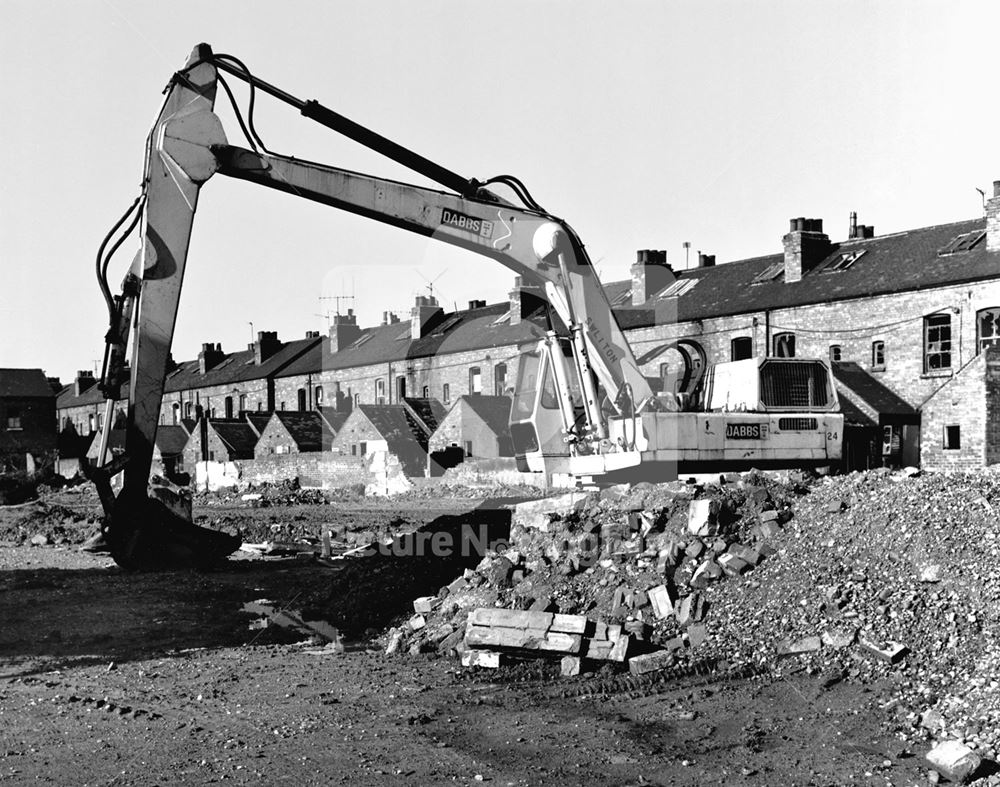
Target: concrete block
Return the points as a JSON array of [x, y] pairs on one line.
[[733, 565], [522, 639], [770, 529], [569, 624], [651, 662], [481, 658], [799, 647], [570, 666], [424, 604], [417, 622], [542, 604], [511, 618], [703, 517], [637, 628], [839, 638], [663, 604], [707, 572], [890, 651], [768, 516], [622, 645], [954, 760], [836, 506]]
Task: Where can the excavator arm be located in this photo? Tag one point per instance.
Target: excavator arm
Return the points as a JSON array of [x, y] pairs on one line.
[[187, 145]]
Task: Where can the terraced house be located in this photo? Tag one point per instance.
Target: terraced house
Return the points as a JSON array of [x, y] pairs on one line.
[[909, 321]]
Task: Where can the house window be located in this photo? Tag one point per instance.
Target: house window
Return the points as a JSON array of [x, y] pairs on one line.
[[357, 399], [468, 448], [835, 352], [878, 355], [211, 456], [354, 449], [319, 396], [282, 405], [500, 379], [380, 391], [741, 348], [176, 413], [187, 409], [784, 345], [364, 448], [937, 342], [13, 418], [229, 407], [260, 405], [475, 380], [426, 392], [301, 396], [400, 388], [243, 402], [952, 438], [987, 329], [446, 393]]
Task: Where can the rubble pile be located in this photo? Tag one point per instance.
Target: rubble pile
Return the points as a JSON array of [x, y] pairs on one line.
[[874, 577], [43, 523]]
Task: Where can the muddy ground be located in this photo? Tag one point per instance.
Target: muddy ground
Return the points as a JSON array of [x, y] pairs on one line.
[[135, 679]]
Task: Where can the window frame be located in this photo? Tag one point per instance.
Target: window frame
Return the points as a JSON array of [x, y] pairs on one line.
[[994, 340], [951, 438], [878, 355], [741, 341], [940, 324], [475, 376], [836, 352], [785, 337]]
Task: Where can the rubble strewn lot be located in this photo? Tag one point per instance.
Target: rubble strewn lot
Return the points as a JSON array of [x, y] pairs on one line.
[[770, 629]]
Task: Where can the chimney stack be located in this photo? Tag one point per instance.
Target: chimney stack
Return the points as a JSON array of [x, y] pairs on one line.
[[706, 260], [993, 219], [209, 357], [84, 382], [267, 345], [524, 300], [650, 274], [344, 331], [476, 304], [859, 230], [805, 246], [424, 315]]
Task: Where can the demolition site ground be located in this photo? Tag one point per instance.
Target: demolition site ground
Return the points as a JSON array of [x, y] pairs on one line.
[[108, 677]]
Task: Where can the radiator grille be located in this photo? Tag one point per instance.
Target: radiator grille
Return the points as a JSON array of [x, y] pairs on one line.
[[797, 424], [801, 385]]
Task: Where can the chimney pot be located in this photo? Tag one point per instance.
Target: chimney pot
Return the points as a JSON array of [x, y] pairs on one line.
[[996, 188]]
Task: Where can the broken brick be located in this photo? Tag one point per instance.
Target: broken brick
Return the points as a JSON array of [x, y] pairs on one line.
[[799, 647], [651, 662], [891, 651], [424, 604], [570, 666], [481, 658]]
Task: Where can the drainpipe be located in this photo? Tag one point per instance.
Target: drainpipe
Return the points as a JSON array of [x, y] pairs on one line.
[[767, 333]]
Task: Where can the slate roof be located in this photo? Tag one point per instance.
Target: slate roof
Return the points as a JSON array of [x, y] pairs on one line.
[[238, 437], [334, 418], [235, 367], [307, 428], [429, 411], [404, 436], [170, 440], [874, 396], [494, 410], [891, 263], [28, 383], [257, 419], [470, 329]]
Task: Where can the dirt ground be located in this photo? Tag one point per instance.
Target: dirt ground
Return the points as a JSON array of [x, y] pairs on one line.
[[143, 679]]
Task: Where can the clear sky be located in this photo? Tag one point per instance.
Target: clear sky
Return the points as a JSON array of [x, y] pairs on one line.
[[643, 124]]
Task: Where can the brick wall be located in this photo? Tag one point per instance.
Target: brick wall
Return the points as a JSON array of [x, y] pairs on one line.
[[355, 430], [325, 471], [992, 406], [257, 395], [462, 425], [961, 402]]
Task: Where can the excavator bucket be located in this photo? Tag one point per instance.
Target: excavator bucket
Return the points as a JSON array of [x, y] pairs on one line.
[[146, 534]]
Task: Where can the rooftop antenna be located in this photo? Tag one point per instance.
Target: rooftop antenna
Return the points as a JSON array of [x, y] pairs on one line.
[[430, 282], [337, 299], [982, 194], [687, 248], [250, 322]]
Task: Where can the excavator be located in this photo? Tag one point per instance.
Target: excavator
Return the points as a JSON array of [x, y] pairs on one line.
[[582, 406]]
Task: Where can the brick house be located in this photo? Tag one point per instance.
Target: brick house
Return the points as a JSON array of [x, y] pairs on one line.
[[478, 426], [294, 432], [27, 420], [384, 427], [219, 440]]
